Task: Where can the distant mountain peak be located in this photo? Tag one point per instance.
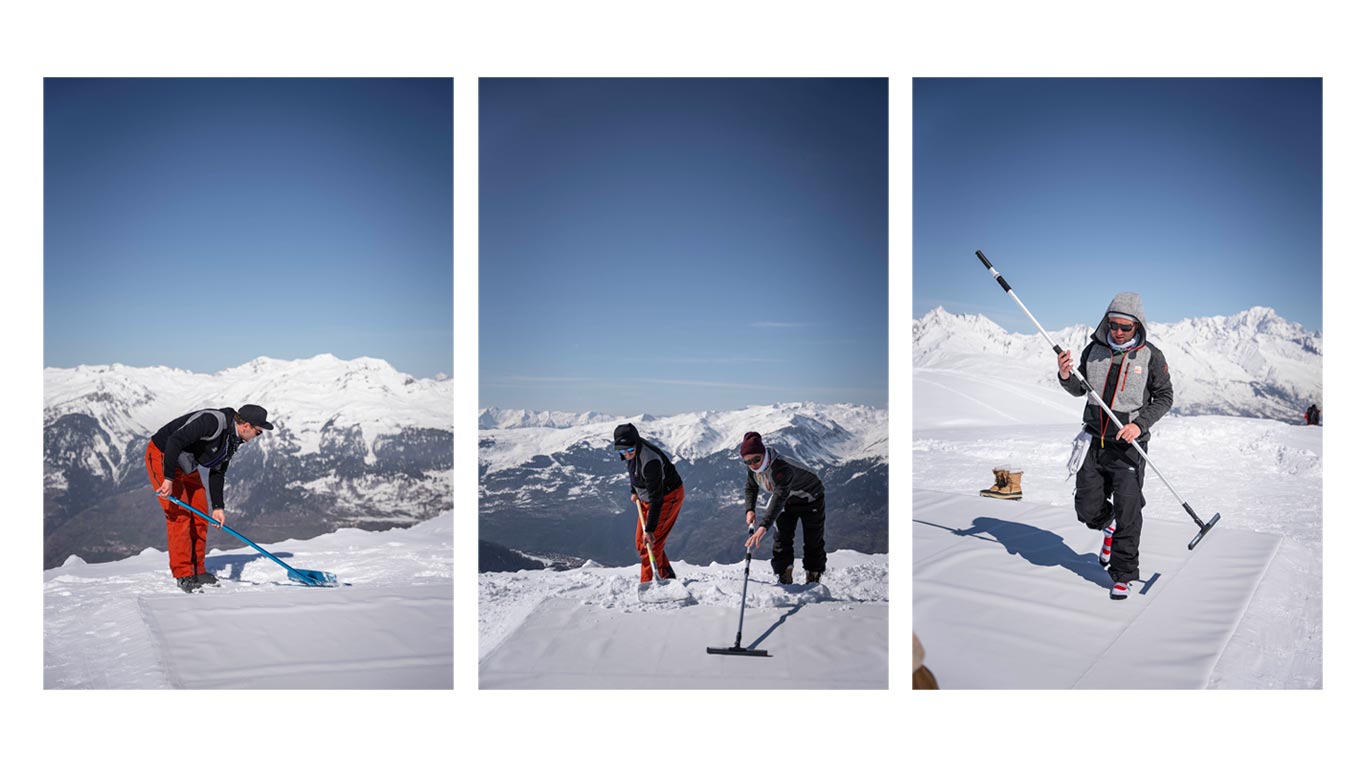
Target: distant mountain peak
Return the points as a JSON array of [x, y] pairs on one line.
[[1251, 363]]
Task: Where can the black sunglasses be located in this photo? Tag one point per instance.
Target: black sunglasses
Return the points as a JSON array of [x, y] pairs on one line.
[[1121, 327], [754, 462]]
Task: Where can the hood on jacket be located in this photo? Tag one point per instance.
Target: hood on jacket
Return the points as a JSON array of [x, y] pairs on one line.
[[1124, 303]]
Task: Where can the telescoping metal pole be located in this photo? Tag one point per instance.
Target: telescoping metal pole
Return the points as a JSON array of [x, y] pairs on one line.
[[737, 649], [1098, 400]]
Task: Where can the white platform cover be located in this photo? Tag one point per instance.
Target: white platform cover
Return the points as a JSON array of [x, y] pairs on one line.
[[346, 637], [1019, 600], [567, 644]]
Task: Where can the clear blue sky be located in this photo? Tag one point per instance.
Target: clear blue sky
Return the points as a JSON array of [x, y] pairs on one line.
[[200, 223], [660, 245], [1204, 196]]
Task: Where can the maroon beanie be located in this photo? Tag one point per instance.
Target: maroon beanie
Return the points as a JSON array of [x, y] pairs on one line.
[[752, 444]]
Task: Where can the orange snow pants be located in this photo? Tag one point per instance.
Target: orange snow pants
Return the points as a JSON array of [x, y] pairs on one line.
[[668, 515], [186, 533]]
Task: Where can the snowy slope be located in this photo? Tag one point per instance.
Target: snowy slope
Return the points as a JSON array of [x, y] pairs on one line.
[[124, 624], [1264, 477], [1254, 363], [586, 628]]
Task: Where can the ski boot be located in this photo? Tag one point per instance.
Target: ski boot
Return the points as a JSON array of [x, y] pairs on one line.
[[206, 578], [188, 584], [1120, 590]]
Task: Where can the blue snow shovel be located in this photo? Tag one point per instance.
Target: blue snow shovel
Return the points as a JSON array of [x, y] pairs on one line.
[[303, 576]]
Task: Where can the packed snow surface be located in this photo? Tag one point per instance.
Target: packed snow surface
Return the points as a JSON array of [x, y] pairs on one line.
[[124, 624], [1008, 594], [588, 628]]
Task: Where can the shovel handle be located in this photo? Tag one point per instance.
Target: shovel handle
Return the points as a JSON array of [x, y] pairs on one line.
[[245, 540], [640, 513]]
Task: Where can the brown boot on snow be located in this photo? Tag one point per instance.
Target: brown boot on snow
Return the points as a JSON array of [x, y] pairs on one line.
[[813, 577], [1002, 482], [1007, 484], [786, 576]]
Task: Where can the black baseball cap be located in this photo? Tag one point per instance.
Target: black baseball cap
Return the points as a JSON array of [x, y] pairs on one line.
[[254, 415]]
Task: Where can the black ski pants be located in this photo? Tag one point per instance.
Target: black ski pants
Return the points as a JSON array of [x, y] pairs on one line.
[[1110, 487], [812, 518]]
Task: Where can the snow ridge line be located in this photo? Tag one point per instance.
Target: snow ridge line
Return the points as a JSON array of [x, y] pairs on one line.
[[1242, 616], [163, 666], [513, 629], [980, 402]]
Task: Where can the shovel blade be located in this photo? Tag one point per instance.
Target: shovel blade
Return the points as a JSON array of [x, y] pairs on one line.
[[736, 651], [313, 578]]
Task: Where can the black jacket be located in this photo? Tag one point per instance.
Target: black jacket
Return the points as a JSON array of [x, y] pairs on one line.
[[652, 477], [200, 439], [790, 482]]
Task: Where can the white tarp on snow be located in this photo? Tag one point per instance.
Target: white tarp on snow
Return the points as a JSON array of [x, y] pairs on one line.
[[567, 644], [1009, 594], [346, 637], [124, 624]]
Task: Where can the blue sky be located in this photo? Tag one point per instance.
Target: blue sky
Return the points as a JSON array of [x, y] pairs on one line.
[[200, 223], [1203, 195], [663, 246]]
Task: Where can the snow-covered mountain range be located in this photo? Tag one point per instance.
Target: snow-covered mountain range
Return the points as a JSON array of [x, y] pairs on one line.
[[562, 490], [1254, 363], [515, 418], [356, 443]]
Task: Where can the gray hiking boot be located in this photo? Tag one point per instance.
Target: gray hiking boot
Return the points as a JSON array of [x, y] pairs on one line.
[[188, 584], [786, 576], [206, 578]]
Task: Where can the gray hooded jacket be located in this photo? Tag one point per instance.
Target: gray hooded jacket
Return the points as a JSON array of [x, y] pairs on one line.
[[1135, 382]]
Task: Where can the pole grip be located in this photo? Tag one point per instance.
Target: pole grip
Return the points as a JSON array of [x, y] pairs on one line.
[[983, 257]]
